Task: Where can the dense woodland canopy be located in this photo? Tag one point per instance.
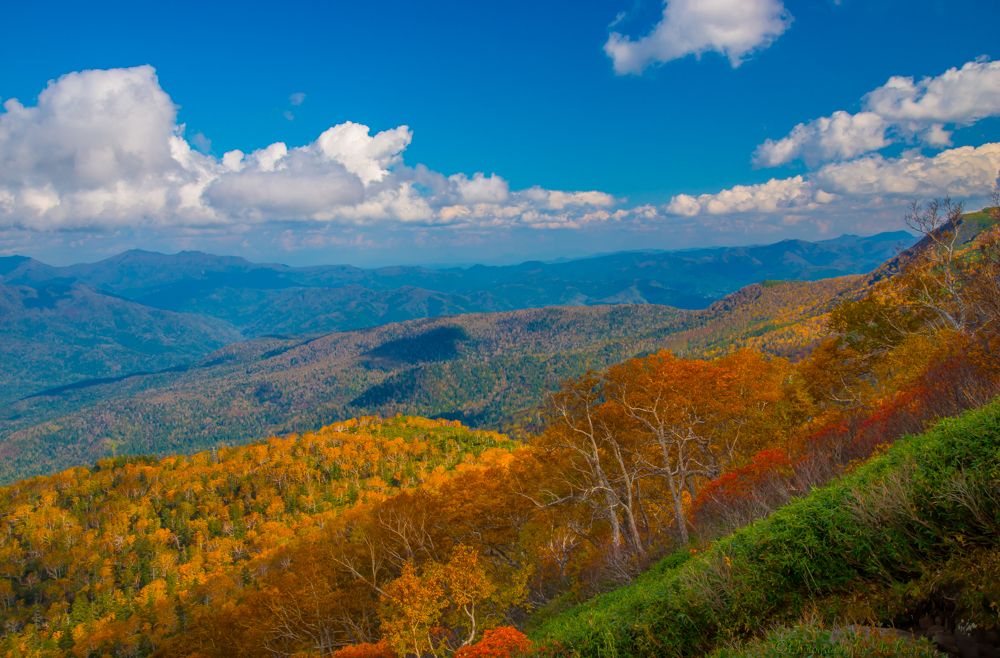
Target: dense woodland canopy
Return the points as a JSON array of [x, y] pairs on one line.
[[406, 536]]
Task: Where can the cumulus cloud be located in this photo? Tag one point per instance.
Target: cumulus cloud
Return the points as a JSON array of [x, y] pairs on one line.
[[556, 200], [838, 137], [97, 145], [961, 172], [361, 154], [966, 172], [958, 97], [732, 28], [102, 149], [481, 189], [763, 198], [901, 109], [274, 183]]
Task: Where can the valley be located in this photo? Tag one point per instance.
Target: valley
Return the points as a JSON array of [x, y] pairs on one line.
[[487, 370]]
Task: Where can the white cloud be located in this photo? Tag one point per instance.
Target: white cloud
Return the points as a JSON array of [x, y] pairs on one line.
[[763, 198], [958, 96], [97, 145], [872, 181], [480, 189], [556, 200], [102, 149], [402, 204], [297, 98], [901, 109], [267, 159], [363, 155], [962, 172], [233, 160], [733, 28], [274, 184], [837, 137]]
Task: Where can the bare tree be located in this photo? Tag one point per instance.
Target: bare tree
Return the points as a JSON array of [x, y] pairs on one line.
[[672, 429], [934, 276], [956, 285], [595, 466]]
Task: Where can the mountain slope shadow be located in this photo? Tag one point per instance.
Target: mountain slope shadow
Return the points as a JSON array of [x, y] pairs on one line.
[[435, 345], [397, 388]]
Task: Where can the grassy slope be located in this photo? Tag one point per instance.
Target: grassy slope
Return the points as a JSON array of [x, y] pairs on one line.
[[873, 545]]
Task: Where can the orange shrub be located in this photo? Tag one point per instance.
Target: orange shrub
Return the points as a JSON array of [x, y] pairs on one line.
[[503, 642], [365, 650]]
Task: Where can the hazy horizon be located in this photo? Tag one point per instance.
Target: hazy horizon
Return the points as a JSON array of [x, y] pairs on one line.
[[509, 259]]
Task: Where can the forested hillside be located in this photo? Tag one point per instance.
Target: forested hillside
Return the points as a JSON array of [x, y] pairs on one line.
[[214, 300], [487, 365], [488, 370], [52, 332], [737, 504], [100, 552]]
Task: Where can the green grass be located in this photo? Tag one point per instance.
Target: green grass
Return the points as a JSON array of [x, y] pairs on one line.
[[872, 546], [813, 640]]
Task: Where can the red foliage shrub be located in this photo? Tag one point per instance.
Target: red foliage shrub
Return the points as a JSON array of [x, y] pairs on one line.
[[365, 650], [742, 494], [950, 385], [744, 482], [503, 642]]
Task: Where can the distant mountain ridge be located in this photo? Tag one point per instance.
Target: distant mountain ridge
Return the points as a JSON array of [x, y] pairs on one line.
[[695, 277], [143, 311]]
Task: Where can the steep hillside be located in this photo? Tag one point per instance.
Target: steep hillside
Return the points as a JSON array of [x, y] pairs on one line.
[[899, 538]]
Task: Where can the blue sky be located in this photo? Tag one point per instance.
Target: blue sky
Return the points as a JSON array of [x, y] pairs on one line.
[[527, 92]]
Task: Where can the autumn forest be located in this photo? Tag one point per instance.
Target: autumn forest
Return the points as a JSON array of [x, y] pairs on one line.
[[799, 461]]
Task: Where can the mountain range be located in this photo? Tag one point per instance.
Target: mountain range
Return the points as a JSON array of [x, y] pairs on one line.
[[154, 353], [488, 370], [143, 312]]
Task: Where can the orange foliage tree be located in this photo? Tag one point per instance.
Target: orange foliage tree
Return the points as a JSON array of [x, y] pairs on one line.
[[694, 418], [616, 442]]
